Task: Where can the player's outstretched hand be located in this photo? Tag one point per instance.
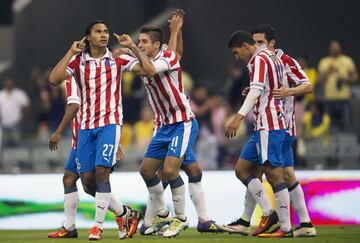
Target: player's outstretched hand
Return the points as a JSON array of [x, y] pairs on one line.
[[280, 93], [124, 40], [232, 127], [78, 46], [177, 20], [54, 140]]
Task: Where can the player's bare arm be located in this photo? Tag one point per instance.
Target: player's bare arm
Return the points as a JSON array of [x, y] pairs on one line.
[[69, 115], [283, 92], [59, 74], [175, 25], [145, 67]]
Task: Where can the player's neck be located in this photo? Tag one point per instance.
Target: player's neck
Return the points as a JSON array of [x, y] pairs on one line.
[[153, 55], [97, 52]]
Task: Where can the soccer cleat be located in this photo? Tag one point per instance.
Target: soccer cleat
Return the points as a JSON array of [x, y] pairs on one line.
[[239, 226], [133, 223], [265, 223], [175, 227], [208, 227], [305, 230], [277, 233], [123, 223], [63, 233], [146, 230], [158, 221], [95, 233]]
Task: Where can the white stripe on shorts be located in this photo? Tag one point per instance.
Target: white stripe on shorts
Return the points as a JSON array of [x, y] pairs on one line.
[[264, 143], [186, 137], [117, 143]]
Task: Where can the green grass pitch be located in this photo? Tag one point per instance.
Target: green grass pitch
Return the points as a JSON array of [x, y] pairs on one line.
[[325, 234]]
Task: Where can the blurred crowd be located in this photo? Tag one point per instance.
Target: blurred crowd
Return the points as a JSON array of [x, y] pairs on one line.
[[28, 115]]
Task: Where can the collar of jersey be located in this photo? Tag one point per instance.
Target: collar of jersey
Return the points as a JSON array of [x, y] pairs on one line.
[[259, 49], [108, 54], [279, 53]]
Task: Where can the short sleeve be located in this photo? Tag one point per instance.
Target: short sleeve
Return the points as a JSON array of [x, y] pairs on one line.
[[73, 64], [167, 61], [128, 62], [72, 91], [295, 72], [258, 73]]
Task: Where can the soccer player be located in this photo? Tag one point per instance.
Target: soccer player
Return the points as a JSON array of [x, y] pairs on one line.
[[98, 76], [295, 83], [189, 164], [71, 173], [264, 147], [175, 137]]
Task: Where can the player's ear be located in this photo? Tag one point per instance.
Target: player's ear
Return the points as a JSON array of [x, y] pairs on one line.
[[157, 44], [272, 43]]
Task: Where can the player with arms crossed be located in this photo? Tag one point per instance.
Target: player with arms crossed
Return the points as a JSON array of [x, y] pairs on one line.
[[264, 147], [98, 76]]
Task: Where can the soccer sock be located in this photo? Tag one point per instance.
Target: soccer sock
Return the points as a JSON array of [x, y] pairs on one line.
[[249, 206], [156, 195], [178, 197], [149, 212], [282, 203], [71, 200], [102, 200], [257, 191], [197, 196], [298, 201], [116, 206]]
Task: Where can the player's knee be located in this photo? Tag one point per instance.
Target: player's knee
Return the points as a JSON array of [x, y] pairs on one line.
[[146, 174], [89, 190], [289, 178], [69, 180], [170, 173], [193, 171], [102, 174]]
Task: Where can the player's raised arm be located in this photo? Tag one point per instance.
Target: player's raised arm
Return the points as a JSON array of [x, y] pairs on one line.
[[175, 23], [145, 66], [58, 73]]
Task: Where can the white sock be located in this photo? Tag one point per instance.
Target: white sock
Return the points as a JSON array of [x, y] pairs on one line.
[[249, 207], [149, 213], [197, 196], [115, 206], [178, 198], [256, 189], [156, 195], [71, 201], [102, 200], [282, 204], [298, 201]]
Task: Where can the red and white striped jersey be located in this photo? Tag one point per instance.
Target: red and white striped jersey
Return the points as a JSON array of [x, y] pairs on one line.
[[266, 73], [294, 77], [166, 92], [73, 97], [100, 89]]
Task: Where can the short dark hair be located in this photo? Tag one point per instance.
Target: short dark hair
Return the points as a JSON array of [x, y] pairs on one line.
[[92, 23], [238, 38], [266, 29], [154, 33]]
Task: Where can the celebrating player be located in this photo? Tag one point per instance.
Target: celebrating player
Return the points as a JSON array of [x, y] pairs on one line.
[[189, 164], [98, 77]]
